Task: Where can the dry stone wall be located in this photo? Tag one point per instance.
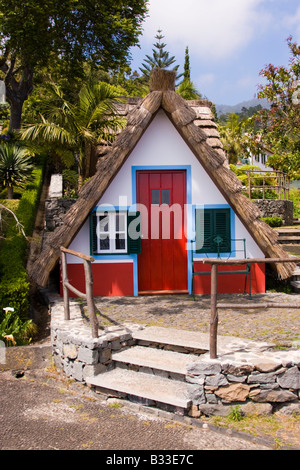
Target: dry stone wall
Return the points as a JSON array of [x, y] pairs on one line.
[[276, 208], [263, 387]]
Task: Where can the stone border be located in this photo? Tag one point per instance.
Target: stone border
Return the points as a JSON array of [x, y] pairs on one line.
[[258, 384], [257, 389]]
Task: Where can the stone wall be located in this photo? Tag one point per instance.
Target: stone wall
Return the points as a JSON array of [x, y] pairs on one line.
[[55, 208], [261, 388], [258, 386], [79, 356], [276, 208]]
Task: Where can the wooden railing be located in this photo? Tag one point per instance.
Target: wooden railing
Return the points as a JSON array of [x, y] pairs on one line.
[[88, 296], [281, 183], [214, 294]]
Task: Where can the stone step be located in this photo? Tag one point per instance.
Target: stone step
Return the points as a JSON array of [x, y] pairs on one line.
[[173, 339], [289, 239], [296, 286], [148, 387], [160, 360], [192, 342]]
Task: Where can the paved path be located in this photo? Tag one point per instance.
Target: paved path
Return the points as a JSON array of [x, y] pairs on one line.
[[43, 411], [277, 325]]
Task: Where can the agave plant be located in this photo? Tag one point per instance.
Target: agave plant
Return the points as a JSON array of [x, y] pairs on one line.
[[15, 166]]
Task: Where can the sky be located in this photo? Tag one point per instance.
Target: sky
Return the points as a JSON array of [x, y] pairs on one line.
[[229, 41]]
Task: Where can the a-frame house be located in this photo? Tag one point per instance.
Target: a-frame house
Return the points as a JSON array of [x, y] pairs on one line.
[[163, 198]]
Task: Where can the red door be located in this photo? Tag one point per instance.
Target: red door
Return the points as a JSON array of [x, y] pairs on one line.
[[162, 264]]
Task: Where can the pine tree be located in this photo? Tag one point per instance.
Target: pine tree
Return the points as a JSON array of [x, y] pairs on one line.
[[186, 88], [160, 58], [187, 72]]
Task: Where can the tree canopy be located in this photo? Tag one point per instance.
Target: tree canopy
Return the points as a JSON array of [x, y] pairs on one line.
[[72, 31], [160, 58], [281, 123]]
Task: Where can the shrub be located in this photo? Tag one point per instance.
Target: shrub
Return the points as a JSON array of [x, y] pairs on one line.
[[273, 221], [14, 285], [14, 332], [294, 195]]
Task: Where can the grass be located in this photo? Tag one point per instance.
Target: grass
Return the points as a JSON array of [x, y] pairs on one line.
[[282, 430]]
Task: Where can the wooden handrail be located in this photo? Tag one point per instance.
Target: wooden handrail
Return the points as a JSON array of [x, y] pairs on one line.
[[76, 253], [88, 296], [214, 305], [281, 178], [230, 261]]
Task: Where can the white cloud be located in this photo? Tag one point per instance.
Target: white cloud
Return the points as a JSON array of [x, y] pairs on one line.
[[214, 29], [293, 21]]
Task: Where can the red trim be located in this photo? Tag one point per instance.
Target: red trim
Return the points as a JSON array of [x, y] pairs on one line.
[[162, 264], [230, 283], [110, 280]]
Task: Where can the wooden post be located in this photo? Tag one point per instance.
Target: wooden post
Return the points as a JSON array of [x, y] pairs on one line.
[[249, 185], [65, 289], [214, 312], [89, 297]]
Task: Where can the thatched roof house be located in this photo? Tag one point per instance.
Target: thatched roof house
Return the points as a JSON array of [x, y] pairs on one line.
[[194, 123]]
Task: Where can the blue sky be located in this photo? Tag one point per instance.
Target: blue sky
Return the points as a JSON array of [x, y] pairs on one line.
[[229, 41]]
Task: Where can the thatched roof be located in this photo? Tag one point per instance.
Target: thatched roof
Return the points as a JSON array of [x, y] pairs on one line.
[[194, 122]]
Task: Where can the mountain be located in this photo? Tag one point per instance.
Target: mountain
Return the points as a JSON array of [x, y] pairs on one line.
[[224, 108]]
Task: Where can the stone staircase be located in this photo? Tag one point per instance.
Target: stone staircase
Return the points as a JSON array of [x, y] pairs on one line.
[[154, 371], [288, 235], [289, 238]]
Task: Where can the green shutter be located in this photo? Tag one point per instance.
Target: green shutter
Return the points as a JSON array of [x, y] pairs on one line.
[[204, 229], [93, 233], [214, 228], [222, 230], [134, 244]]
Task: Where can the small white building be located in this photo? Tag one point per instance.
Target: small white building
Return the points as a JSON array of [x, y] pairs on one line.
[[162, 199]]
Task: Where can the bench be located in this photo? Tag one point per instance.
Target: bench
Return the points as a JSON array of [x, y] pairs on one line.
[[218, 241]]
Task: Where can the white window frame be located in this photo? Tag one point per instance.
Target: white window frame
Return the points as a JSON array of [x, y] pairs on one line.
[[112, 232]]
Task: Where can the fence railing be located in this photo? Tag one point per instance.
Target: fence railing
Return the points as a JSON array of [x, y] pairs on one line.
[[214, 305], [88, 296], [274, 180]]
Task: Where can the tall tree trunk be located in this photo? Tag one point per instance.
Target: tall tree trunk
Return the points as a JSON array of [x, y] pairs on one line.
[[10, 192], [16, 106], [17, 91]]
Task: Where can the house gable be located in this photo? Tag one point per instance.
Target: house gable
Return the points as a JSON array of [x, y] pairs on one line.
[[211, 159]]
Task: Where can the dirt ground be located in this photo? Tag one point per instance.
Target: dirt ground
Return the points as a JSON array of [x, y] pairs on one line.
[[279, 326]]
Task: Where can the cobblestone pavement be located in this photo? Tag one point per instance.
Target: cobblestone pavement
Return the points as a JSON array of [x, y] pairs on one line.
[[279, 326], [44, 411]]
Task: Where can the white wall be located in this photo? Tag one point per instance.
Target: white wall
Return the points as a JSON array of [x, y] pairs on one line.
[[162, 145]]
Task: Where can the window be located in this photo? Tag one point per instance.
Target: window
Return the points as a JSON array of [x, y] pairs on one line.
[[111, 233], [161, 196], [115, 232], [213, 232]]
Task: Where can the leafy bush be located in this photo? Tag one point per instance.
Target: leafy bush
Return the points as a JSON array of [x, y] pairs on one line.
[[14, 332], [273, 221], [294, 196], [14, 285]]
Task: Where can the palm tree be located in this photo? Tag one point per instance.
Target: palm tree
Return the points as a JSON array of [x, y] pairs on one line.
[[15, 166], [77, 127], [188, 91], [233, 138]]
